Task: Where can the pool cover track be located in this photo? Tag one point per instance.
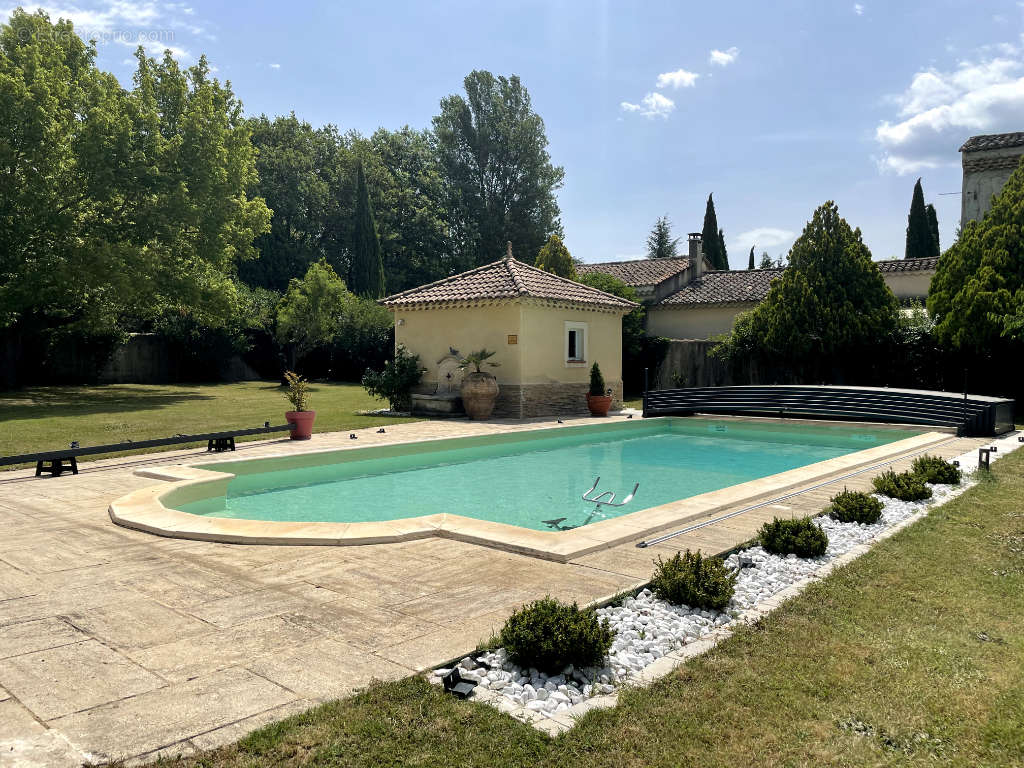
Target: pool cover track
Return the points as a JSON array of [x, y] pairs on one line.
[[152, 509]]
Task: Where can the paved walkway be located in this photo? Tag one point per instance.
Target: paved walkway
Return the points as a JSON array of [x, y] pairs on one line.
[[119, 644]]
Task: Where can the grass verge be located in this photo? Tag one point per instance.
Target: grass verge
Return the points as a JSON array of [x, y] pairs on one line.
[[913, 655], [49, 418]]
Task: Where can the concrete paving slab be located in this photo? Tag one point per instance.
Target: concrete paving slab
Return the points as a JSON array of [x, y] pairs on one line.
[[29, 636], [69, 678]]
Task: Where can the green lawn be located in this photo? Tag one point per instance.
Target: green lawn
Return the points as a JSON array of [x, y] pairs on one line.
[[49, 418], [913, 655]]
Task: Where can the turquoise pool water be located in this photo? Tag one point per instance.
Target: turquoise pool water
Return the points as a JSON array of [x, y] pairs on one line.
[[529, 479]]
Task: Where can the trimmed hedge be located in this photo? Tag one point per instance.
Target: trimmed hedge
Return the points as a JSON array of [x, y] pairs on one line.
[[855, 507], [801, 537], [693, 580], [933, 469], [549, 635], [904, 486]]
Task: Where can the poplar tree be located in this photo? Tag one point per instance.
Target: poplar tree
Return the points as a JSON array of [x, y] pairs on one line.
[[366, 272]]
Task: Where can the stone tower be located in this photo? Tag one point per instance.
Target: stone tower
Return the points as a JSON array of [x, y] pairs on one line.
[[988, 162]]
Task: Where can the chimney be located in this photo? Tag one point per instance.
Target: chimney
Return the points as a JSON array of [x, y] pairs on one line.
[[696, 255]]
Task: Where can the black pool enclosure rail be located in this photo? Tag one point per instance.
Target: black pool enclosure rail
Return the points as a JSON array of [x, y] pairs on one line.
[[55, 463], [969, 415]]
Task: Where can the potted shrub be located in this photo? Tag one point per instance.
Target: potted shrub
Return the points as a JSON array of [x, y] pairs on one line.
[[298, 396], [599, 400], [479, 388]]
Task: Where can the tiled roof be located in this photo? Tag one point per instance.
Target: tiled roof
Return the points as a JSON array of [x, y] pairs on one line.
[[908, 265], [993, 141], [725, 287], [639, 272], [506, 279]]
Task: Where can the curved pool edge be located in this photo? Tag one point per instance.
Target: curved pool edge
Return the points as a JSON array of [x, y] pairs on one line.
[[144, 510]]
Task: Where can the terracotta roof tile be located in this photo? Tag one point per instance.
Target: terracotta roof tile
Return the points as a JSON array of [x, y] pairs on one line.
[[639, 272], [722, 287], [993, 141], [908, 265], [506, 279]]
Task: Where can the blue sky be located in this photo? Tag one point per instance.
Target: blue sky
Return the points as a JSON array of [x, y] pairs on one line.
[[649, 106]]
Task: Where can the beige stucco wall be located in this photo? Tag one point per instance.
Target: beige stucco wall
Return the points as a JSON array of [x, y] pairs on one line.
[[538, 357], [693, 322], [909, 285], [430, 332], [985, 174], [543, 345]]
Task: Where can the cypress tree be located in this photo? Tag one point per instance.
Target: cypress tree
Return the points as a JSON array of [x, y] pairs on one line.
[[366, 271], [711, 238], [920, 241], [933, 225], [750, 264]]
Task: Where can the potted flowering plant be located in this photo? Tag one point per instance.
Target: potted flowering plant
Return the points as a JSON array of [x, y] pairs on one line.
[[298, 396], [479, 388], [599, 400]]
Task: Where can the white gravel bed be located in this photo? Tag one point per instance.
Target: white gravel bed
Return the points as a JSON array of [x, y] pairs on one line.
[[647, 629]]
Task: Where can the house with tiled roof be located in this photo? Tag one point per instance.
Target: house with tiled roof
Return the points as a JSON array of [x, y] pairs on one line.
[[546, 331], [987, 162]]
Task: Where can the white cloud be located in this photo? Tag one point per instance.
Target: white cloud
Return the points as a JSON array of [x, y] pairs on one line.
[[652, 105], [939, 110], [858, 8], [761, 238], [152, 24], [724, 58], [275, 66], [678, 79]]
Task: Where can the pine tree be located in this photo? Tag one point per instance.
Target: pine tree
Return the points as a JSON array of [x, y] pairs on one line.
[[554, 258], [660, 243], [766, 261], [750, 264], [711, 238], [366, 270], [920, 241], [933, 225]]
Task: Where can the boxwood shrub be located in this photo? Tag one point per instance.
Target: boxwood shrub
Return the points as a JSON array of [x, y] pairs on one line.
[[693, 580], [933, 469], [904, 486], [549, 635], [801, 537], [855, 507]]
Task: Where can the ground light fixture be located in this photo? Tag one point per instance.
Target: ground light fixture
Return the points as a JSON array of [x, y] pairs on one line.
[[455, 685]]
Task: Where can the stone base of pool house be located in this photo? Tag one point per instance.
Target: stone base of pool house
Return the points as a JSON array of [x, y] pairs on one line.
[[152, 509], [529, 401]]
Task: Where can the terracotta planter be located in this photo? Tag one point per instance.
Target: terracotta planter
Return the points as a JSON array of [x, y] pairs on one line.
[[479, 391], [598, 404], [303, 421]]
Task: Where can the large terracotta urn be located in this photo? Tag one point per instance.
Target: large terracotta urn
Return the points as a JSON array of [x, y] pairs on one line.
[[303, 421], [479, 391], [599, 405]]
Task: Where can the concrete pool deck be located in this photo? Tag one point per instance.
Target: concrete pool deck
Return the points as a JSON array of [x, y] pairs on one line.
[[116, 643]]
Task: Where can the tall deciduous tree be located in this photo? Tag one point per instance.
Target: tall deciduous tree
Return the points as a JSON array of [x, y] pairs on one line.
[[977, 294], [499, 176], [824, 317], [554, 257], [920, 240], [933, 225], [366, 271], [660, 243], [310, 313], [712, 240]]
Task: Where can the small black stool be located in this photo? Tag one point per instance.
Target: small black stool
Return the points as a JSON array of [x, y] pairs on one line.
[[55, 467]]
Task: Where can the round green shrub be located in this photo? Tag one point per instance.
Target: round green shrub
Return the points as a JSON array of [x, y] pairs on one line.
[[904, 486], [801, 537], [855, 507], [932, 469], [690, 579], [549, 635]]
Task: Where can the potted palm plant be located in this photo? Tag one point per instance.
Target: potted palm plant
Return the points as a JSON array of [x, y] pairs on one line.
[[479, 388], [599, 400], [298, 396]]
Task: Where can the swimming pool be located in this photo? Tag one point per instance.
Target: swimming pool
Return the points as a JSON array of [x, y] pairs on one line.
[[531, 480]]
